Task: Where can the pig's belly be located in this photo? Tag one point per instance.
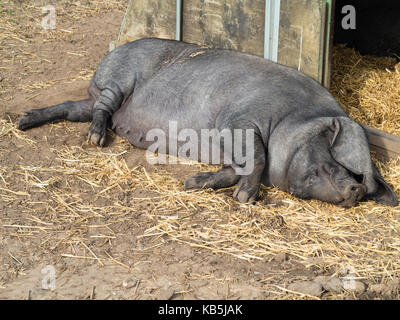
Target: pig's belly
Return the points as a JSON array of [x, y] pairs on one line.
[[168, 128]]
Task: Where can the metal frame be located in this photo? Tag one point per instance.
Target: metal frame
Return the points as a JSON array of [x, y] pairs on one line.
[[326, 43], [179, 11], [271, 35]]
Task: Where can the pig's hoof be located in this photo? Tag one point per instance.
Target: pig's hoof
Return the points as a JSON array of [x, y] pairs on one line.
[[200, 180], [245, 193], [97, 134], [28, 120]]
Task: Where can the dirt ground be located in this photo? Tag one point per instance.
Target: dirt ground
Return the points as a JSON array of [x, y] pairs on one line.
[[120, 243]]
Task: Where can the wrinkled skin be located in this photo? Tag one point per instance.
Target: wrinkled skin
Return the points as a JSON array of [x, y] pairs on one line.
[[304, 143]]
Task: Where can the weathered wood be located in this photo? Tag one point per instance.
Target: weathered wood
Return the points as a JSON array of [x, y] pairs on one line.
[[236, 25], [149, 18], [386, 145], [301, 35], [229, 24]]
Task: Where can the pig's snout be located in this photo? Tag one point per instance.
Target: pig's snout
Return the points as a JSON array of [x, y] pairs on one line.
[[354, 192]]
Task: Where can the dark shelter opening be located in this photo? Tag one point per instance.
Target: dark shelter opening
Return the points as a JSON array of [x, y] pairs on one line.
[[377, 26]]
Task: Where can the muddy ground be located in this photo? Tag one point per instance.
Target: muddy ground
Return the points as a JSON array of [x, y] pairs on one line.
[[100, 245]]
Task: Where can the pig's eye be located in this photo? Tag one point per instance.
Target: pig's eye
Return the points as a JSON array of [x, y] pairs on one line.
[[313, 176], [314, 172]]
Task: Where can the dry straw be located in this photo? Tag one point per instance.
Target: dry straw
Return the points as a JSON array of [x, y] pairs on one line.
[[368, 88], [364, 239]]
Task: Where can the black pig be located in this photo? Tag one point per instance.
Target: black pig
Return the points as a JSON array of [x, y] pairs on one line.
[[303, 142]]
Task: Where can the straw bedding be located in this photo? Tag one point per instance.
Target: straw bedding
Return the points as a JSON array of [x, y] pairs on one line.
[[368, 88], [364, 239]]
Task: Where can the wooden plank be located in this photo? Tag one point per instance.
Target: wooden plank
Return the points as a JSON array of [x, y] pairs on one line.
[[383, 154], [301, 35], [386, 145], [228, 24], [235, 25], [149, 18]]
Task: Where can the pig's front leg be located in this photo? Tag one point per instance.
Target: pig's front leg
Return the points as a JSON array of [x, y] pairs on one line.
[[251, 171], [247, 163]]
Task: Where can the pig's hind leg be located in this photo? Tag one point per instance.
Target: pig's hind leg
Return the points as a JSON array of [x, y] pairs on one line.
[[107, 103], [78, 111]]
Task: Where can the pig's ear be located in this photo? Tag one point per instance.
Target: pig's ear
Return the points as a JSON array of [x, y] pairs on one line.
[[384, 193], [350, 148]]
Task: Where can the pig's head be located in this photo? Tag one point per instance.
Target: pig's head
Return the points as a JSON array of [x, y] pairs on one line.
[[329, 159]]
